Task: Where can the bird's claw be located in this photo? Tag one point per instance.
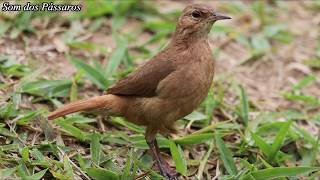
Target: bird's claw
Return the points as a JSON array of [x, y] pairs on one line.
[[171, 176], [168, 172]]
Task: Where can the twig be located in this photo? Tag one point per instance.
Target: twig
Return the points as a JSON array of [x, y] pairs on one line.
[[141, 176], [217, 171]]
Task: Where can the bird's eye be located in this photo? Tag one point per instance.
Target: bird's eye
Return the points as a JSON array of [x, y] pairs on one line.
[[196, 14]]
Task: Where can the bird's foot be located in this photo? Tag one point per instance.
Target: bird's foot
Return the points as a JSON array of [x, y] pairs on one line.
[[170, 174], [167, 172]]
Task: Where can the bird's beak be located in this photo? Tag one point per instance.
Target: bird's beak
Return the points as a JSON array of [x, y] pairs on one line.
[[217, 16]]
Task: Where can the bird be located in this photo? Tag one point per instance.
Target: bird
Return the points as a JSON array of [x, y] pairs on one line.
[[164, 89]]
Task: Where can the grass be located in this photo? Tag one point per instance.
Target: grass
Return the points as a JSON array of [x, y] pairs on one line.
[[53, 58]]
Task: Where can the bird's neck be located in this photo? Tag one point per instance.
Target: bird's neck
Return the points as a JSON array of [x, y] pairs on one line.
[[184, 40]]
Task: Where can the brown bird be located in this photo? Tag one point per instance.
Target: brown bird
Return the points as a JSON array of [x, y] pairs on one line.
[[166, 88]]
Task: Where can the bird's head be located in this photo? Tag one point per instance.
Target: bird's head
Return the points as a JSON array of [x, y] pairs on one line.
[[198, 19]]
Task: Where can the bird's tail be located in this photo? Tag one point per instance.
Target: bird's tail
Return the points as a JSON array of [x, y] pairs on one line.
[[104, 103]]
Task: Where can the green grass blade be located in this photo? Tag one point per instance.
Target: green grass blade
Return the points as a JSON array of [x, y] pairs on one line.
[[304, 82], [278, 172], [72, 130], [195, 116], [225, 155], [94, 75], [244, 106], [194, 139], [277, 143], [4, 173], [47, 88], [95, 148], [73, 91], [102, 174], [312, 100], [37, 176], [131, 126], [6, 132], [263, 146], [117, 56], [127, 167], [178, 158], [25, 154], [204, 160], [96, 9], [67, 167]]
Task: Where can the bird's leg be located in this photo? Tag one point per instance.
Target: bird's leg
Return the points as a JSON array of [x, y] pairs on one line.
[[156, 157], [162, 165], [166, 166]]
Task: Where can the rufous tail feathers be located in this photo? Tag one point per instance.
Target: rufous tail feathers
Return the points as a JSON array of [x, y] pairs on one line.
[[95, 103]]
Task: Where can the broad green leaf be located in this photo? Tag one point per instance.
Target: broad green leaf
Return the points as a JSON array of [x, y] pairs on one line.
[[93, 74], [102, 174], [178, 158], [225, 155]]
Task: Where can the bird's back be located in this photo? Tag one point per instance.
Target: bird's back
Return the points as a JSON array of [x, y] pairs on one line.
[[178, 93]]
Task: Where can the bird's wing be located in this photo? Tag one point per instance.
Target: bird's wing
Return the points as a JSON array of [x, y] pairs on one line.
[[144, 81]]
